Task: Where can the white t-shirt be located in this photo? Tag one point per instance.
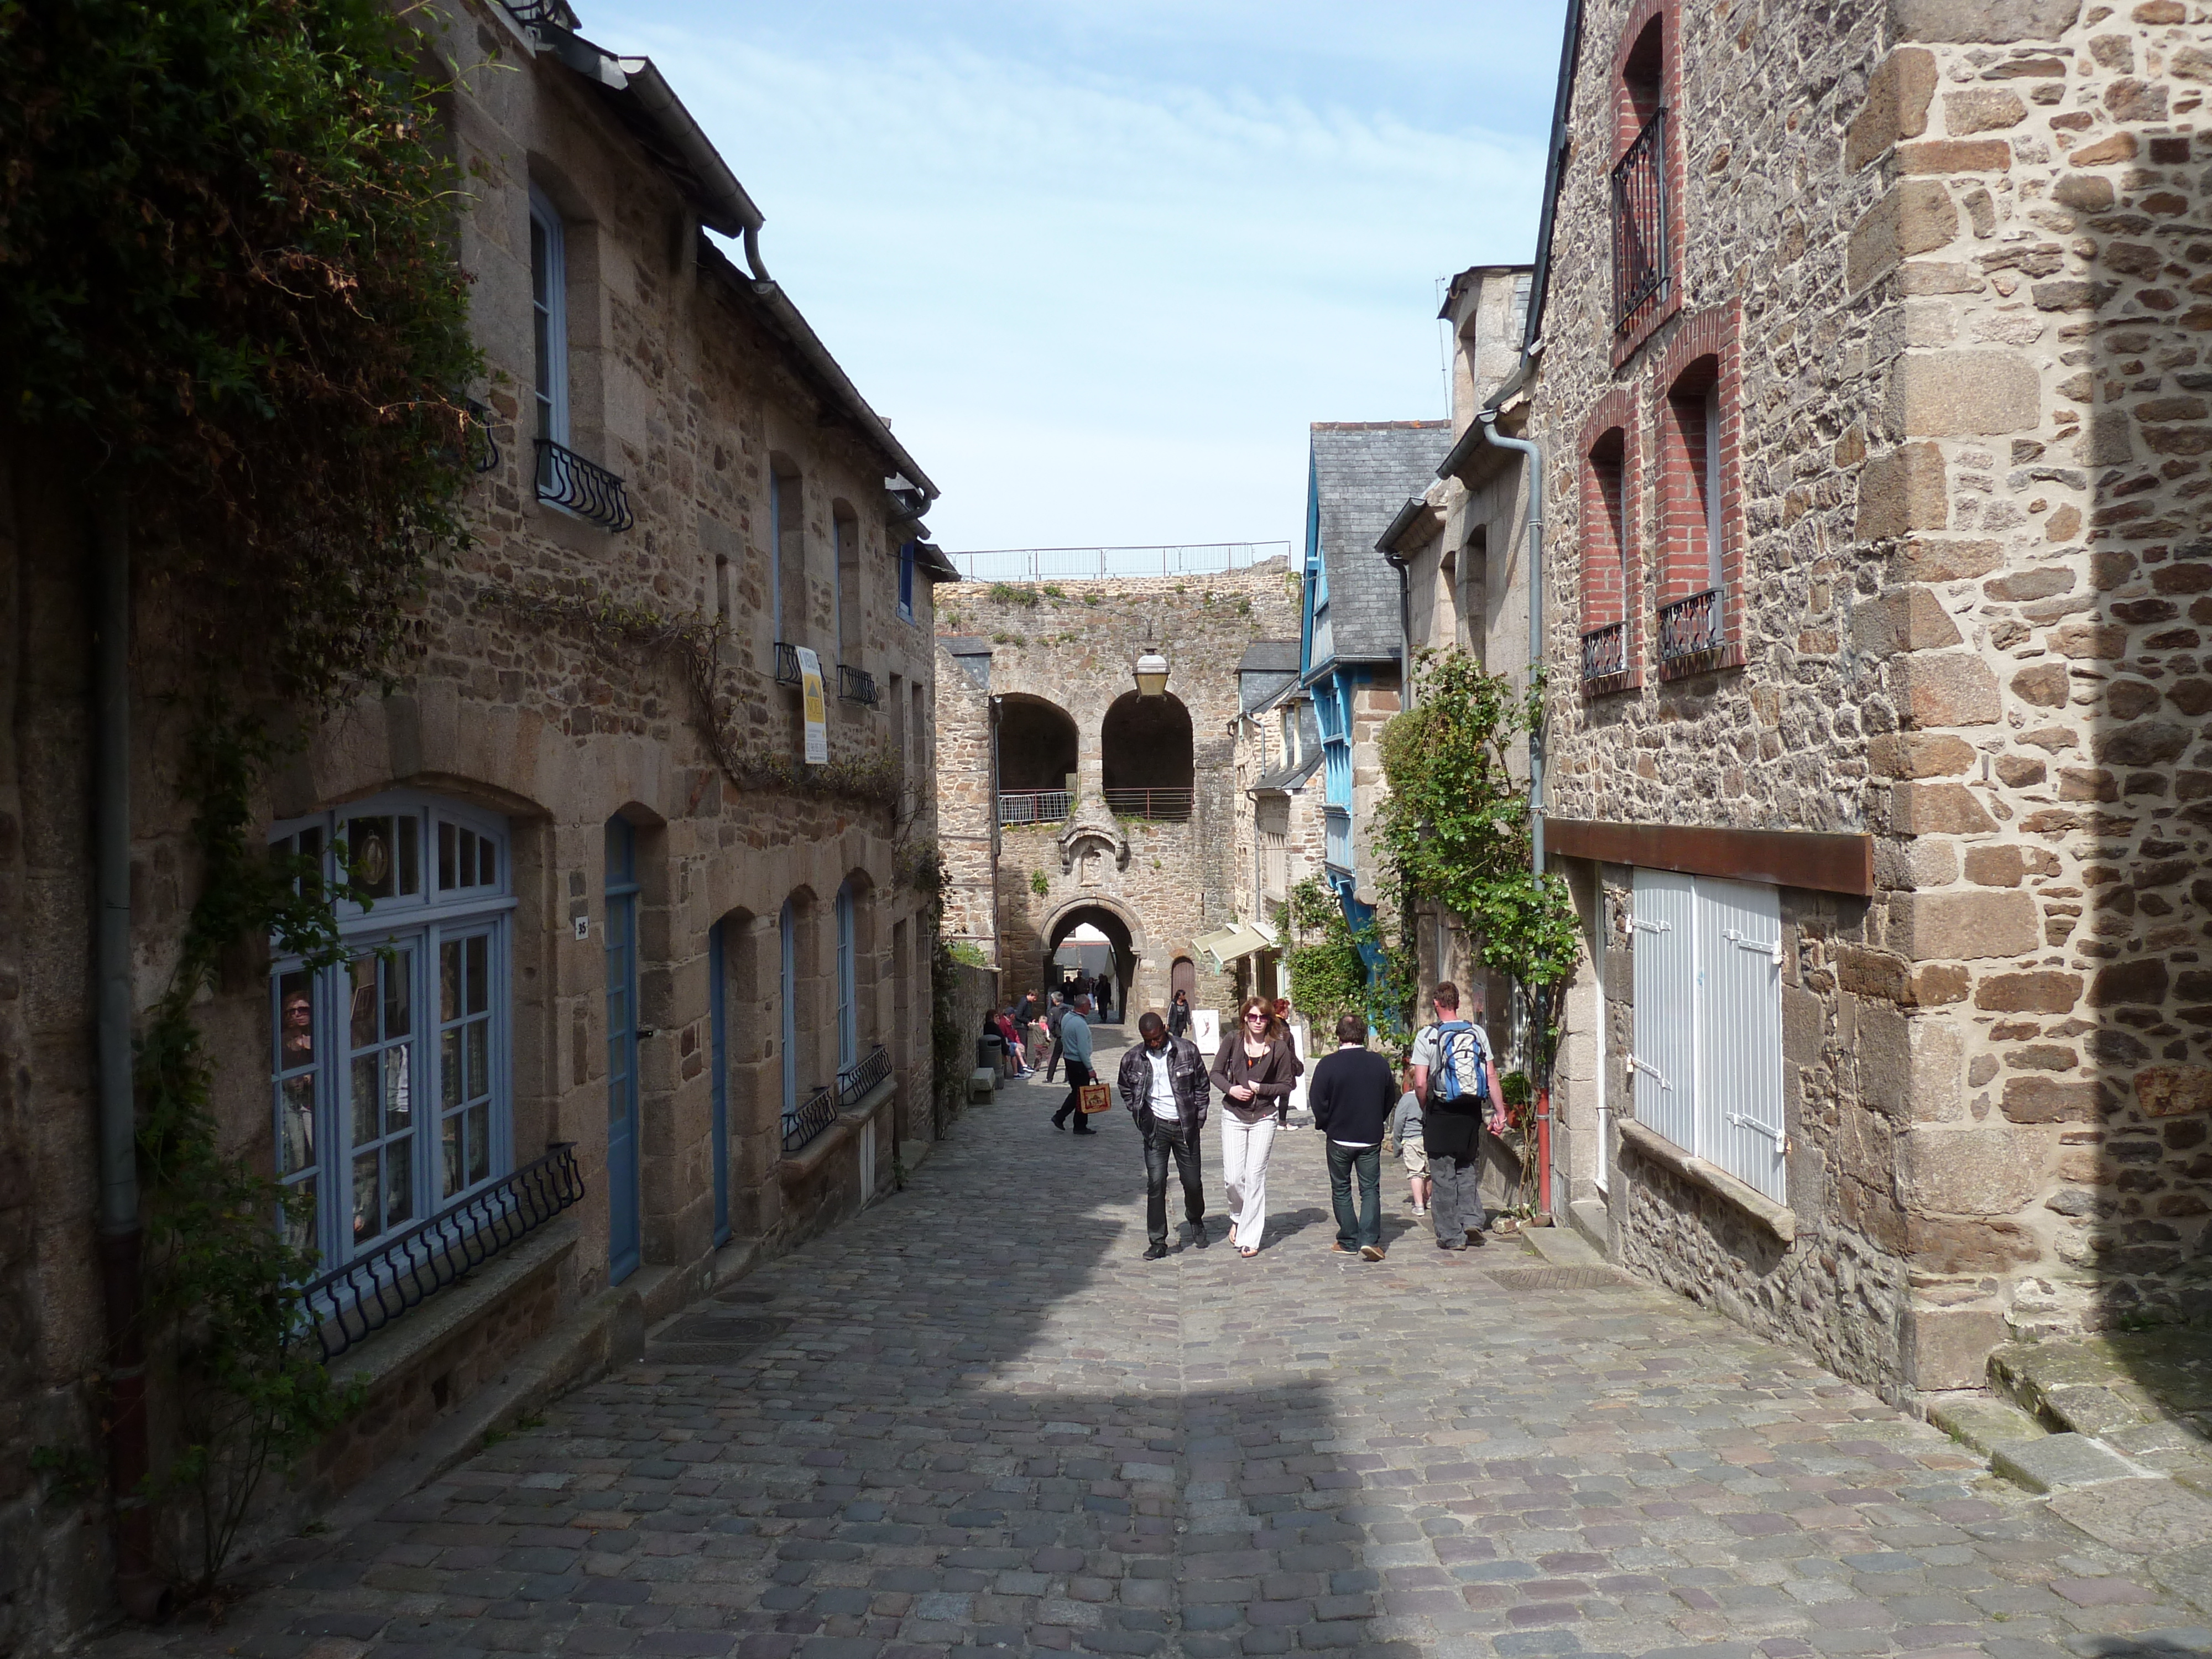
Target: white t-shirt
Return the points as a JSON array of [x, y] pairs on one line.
[[1164, 1103]]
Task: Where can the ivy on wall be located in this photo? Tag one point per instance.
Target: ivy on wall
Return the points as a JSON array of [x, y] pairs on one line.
[[1453, 830], [229, 301]]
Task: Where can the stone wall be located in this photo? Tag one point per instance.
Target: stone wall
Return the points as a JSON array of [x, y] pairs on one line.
[[1950, 258], [526, 695], [1073, 644]]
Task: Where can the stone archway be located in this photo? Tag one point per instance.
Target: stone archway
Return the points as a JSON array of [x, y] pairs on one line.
[[1123, 931]]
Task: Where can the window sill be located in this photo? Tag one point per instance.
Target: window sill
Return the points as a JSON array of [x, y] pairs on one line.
[[1704, 662], [811, 1157], [1778, 1219], [1625, 346], [439, 1317], [1607, 685]]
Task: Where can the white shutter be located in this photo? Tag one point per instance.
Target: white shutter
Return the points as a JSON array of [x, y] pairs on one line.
[[1665, 1060], [1740, 1022]]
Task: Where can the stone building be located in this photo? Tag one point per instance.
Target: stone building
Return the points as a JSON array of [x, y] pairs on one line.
[[1353, 629], [1066, 796], [1280, 825], [1867, 353], [641, 984]]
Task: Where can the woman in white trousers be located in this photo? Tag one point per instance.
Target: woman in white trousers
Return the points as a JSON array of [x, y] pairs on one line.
[[1253, 1069]]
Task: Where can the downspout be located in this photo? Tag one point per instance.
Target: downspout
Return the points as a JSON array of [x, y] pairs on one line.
[[1397, 561], [140, 1593], [1486, 424]]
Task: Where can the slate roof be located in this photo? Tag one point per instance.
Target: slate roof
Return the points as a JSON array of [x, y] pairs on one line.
[[1269, 666], [1288, 777], [1363, 473]]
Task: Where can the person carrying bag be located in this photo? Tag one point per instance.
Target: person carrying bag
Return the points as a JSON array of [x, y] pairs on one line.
[[1456, 1077]]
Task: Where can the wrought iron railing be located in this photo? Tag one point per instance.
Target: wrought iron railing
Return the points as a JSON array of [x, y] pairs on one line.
[[810, 1118], [1033, 805], [566, 479], [1162, 806], [862, 1075], [352, 1303], [480, 414], [786, 665], [1605, 652], [856, 684], [1690, 627], [1639, 225]]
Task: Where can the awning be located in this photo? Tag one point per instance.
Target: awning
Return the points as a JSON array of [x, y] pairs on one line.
[[1234, 942]]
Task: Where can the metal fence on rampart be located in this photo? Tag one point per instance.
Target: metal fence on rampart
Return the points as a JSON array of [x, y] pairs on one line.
[[1045, 564]]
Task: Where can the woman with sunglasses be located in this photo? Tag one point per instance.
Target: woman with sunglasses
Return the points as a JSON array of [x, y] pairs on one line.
[[1254, 1070]]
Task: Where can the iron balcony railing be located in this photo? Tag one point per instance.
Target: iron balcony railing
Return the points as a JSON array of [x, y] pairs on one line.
[[352, 1303], [1639, 226], [1690, 627], [1605, 652], [856, 684], [806, 1121], [1033, 805], [566, 480], [1162, 805], [862, 1075], [786, 665]]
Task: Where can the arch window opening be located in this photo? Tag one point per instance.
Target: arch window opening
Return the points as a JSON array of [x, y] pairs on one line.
[[1694, 572], [787, 556], [1094, 940], [1145, 746], [1606, 576], [846, 602], [389, 1072], [1037, 759], [1641, 208]]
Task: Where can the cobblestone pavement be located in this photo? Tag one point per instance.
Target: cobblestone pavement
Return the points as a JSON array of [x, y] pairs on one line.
[[974, 1417]]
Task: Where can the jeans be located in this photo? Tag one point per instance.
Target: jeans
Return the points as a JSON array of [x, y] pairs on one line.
[[1051, 1059], [1454, 1205], [1159, 1147], [1366, 1228], [1078, 1075], [1244, 1149]]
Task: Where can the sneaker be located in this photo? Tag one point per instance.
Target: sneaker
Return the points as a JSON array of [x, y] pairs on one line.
[[1370, 1252], [1336, 1248], [1155, 1252], [1420, 1209], [1476, 1238]]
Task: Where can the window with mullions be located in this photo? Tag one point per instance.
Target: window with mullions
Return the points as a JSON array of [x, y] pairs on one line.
[[390, 1072]]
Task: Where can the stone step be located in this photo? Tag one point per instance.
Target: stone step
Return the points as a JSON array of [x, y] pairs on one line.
[[1590, 1217], [2058, 1462], [1562, 1247], [1982, 1422]]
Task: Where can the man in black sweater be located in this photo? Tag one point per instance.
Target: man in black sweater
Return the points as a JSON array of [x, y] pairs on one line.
[[1352, 1096]]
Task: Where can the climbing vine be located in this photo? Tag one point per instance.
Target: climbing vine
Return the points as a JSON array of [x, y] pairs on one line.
[[1454, 829], [231, 311], [1336, 969]]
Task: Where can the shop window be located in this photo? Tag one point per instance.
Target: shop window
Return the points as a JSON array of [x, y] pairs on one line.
[[390, 1073]]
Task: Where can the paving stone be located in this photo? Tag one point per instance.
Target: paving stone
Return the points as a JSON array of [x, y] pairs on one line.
[[2051, 1462], [1029, 1439]]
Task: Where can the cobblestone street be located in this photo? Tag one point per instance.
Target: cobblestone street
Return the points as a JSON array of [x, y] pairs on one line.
[[974, 1417]]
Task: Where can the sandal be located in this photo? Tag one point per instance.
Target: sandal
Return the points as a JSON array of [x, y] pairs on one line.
[[1248, 1255], [1233, 1232]]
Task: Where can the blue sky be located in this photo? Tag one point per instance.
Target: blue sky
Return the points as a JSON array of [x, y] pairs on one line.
[[1101, 262]]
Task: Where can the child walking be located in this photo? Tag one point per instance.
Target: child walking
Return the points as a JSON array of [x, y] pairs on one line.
[[1405, 1132]]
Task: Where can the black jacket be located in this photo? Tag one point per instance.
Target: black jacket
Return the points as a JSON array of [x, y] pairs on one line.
[[1185, 1074], [1351, 1095]]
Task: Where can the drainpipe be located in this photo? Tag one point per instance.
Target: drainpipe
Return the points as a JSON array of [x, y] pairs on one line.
[[142, 1594], [1488, 425]]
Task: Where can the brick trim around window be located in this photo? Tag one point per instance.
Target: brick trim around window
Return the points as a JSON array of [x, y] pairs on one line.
[[1612, 569], [1702, 356], [1628, 122]]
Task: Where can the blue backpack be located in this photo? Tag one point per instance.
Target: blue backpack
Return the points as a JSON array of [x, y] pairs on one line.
[[1461, 1076]]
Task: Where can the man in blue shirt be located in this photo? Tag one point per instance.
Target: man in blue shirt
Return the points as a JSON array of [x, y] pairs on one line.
[[1075, 1050]]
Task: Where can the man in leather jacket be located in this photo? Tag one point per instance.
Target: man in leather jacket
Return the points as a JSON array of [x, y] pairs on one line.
[[1163, 1083]]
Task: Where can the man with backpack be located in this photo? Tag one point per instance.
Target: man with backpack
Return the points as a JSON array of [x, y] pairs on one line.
[[1455, 1075]]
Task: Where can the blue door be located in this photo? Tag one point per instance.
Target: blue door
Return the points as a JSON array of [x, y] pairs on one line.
[[718, 1023], [622, 1224]]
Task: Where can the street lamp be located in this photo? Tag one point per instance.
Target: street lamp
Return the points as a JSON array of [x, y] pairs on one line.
[[1151, 674]]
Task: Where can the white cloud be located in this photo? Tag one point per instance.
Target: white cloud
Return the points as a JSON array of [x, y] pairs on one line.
[[1101, 298]]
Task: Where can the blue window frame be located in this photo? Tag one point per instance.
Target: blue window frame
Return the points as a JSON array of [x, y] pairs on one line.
[[788, 1009], [390, 1073], [906, 582], [848, 1012], [625, 1235]]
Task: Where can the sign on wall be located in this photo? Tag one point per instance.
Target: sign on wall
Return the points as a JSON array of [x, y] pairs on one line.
[[1206, 1029], [817, 709]]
